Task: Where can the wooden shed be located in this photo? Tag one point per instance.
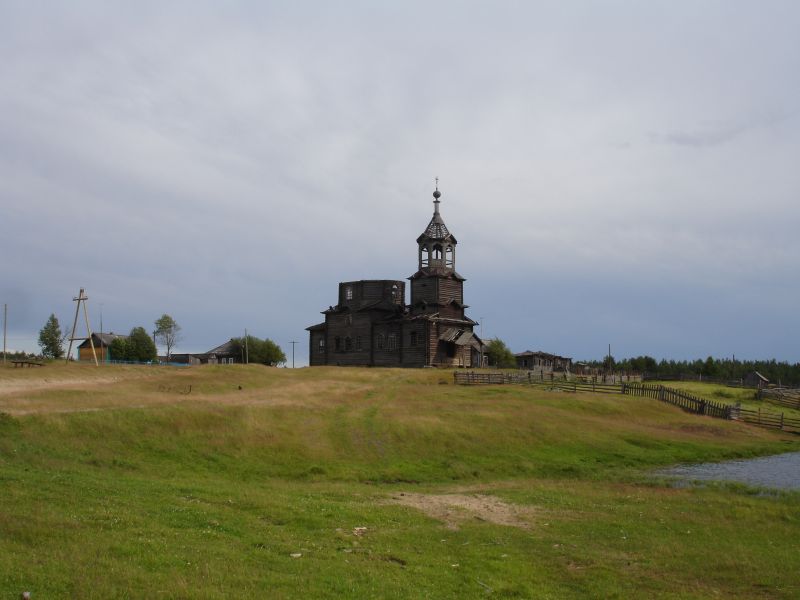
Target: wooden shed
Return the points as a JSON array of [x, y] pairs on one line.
[[102, 347], [755, 379]]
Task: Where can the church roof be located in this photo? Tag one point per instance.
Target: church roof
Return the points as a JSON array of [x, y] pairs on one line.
[[436, 229], [437, 271]]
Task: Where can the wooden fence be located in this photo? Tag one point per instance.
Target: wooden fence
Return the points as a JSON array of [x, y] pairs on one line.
[[688, 402], [783, 396], [684, 400]]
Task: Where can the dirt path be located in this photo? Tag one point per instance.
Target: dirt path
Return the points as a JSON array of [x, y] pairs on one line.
[[455, 509]]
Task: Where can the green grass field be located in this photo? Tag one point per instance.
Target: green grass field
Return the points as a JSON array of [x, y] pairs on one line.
[[125, 482]]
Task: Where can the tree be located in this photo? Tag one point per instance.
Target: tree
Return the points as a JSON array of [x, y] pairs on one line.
[[709, 367], [51, 340], [168, 332], [499, 355], [119, 349], [137, 347], [265, 352], [141, 346]]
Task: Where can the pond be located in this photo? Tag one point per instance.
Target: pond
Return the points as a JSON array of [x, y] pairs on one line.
[[779, 471]]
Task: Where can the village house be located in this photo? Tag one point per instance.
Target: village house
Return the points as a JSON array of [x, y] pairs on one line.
[[372, 325], [102, 347], [542, 360], [224, 354]]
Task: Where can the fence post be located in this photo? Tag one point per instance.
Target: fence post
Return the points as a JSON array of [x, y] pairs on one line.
[[781, 420]]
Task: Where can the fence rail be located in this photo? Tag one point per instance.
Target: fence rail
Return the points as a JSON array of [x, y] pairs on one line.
[[684, 400], [783, 396], [768, 419], [688, 402]]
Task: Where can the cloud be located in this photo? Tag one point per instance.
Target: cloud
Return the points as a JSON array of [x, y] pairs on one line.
[[230, 164], [719, 133]]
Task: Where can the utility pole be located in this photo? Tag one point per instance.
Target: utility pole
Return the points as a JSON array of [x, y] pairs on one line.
[[102, 356], [481, 365], [293, 343], [5, 318], [81, 299]]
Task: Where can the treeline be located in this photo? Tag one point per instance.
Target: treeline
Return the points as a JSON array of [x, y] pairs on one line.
[[724, 369]]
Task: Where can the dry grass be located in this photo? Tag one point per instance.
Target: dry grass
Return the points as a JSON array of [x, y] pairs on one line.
[[63, 387], [119, 482]]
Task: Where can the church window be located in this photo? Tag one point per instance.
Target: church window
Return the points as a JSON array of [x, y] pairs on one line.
[[392, 341], [348, 344], [321, 348], [395, 292], [412, 339], [337, 343], [349, 319], [348, 292], [379, 341], [449, 257], [437, 252], [358, 343]]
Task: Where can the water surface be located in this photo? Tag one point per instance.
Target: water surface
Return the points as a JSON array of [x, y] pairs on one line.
[[779, 471]]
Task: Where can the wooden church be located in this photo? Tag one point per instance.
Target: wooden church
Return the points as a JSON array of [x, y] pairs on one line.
[[372, 325]]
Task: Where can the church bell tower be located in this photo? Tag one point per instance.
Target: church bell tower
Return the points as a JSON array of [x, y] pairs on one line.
[[436, 287]]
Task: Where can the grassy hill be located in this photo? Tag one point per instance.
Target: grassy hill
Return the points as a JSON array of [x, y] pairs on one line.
[[245, 481]]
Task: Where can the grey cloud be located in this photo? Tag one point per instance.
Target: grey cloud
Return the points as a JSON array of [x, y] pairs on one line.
[[233, 163]]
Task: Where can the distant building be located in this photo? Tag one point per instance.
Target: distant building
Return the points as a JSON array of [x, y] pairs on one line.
[[542, 360], [755, 379], [102, 347], [226, 353], [372, 325]]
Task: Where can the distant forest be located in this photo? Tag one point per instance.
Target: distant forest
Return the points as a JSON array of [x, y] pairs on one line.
[[725, 369]]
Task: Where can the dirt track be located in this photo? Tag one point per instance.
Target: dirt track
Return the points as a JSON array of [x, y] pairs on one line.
[[15, 386]]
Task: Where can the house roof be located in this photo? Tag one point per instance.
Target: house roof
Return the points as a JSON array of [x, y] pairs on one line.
[[102, 338], [462, 337], [540, 354], [226, 348]]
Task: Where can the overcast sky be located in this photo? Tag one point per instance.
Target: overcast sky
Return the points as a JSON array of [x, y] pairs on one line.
[[617, 172]]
